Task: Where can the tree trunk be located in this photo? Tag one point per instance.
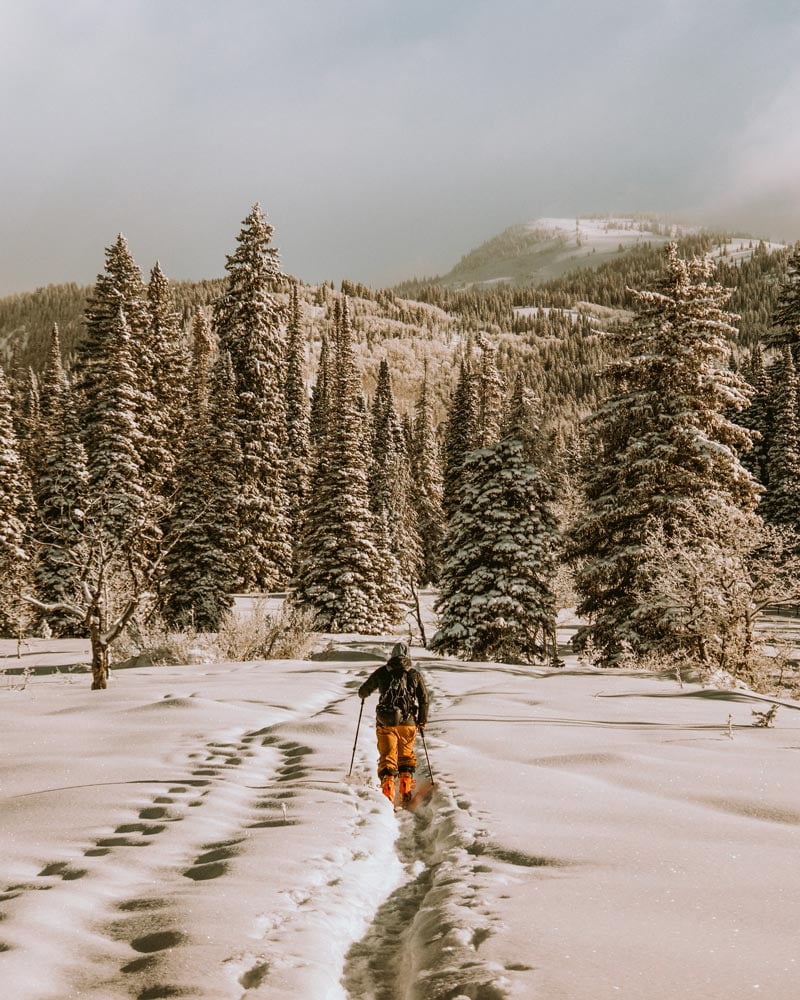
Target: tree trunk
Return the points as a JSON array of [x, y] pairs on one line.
[[418, 613], [99, 660]]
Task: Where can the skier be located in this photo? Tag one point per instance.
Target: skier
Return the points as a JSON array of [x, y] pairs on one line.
[[402, 710]]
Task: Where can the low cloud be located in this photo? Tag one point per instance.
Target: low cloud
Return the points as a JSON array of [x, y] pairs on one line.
[[382, 140]]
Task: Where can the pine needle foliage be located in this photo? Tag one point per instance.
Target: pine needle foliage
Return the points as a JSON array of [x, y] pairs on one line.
[[14, 506], [426, 485], [339, 569], [248, 320], [298, 458], [462, 434], [496, 597], [201, 541], [60, 490], [664, 454]]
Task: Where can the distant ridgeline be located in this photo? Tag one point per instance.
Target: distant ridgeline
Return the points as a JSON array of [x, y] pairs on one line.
[[546, 330]]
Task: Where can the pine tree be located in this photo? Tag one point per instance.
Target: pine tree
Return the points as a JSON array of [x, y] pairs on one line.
[[248, 321], [427, 486], [786, 317], [60, 490], [14, 503], [781, 503], [339, 567], [115, 459], [163, 420], [297, 422], [386, 440], [757, 418], [28, 419], [664, 454], [462, 434], [389, 481], [320, 396], [202, 350], [496, 599], [118, 289], [490, 394], [201, 540]]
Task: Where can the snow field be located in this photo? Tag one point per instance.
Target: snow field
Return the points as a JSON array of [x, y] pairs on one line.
[[191, 832]]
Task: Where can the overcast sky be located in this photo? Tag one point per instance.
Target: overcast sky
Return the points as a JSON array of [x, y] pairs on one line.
[[383, 139]]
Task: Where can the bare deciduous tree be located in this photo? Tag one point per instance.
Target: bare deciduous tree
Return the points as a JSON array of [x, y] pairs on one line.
[[115, 577], [710, 590]]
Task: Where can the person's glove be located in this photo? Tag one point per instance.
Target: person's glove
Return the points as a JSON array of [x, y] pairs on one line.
[[421, 726]]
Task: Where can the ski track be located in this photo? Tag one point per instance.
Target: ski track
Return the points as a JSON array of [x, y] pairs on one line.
[[424, 941], [404, 895], [222, 817]]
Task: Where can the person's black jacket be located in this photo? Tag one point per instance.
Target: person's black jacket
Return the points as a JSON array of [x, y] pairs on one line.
[[382, 678]]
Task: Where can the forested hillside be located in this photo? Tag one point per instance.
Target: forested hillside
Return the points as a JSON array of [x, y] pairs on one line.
[[549, 331], [590, 438]]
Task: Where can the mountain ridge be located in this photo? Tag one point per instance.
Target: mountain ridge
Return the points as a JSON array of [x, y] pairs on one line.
[[532, 253]]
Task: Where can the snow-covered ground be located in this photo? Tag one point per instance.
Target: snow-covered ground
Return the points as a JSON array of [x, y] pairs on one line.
[[192, 832], [605, 234]]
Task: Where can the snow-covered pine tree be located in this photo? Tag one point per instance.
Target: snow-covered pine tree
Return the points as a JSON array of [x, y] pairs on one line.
[[339, 567], [663, 454], [490, 394], [248, 320], [496, 600], [390, 482], [200, 539], [462, 434], [60, 490], [163, 423], [116, 484], [387, 440], [202, 349], [786, 318], [780, 504], [27, 418], [15, 495], [320, 395], [118, 288], [298, 459], [427, 485], [757, 418]]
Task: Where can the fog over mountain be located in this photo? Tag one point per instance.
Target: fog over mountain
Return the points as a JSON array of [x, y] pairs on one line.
[[383, 140]]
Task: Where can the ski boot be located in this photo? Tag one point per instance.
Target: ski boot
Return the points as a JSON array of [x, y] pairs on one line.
[[387, 787], [407, 786]]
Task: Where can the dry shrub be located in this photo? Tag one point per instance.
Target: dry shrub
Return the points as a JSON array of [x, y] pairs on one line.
[[266, 635], [261, 635], [149, 640]]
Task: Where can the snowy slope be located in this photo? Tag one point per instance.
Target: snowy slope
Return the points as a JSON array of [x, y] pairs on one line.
[[547, 248], [191, 832]]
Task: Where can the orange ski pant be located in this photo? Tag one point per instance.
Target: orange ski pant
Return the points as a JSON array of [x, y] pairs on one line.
[[396, 749]]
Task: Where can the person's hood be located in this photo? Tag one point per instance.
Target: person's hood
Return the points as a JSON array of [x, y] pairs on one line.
[[399, 660]]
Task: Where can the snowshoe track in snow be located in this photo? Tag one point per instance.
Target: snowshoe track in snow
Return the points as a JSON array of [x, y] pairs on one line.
[[424, 940]]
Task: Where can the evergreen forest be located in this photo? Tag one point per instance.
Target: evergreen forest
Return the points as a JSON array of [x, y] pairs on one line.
[[623, 439]]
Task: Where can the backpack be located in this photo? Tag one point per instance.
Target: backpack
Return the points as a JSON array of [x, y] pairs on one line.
[[397, 702]]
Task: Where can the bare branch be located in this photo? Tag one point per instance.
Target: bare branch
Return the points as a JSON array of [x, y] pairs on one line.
[[108, 637], [58, 606]]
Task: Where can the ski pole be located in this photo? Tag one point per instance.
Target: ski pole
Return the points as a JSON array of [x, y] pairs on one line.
[[427, 758], [355, 741]]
